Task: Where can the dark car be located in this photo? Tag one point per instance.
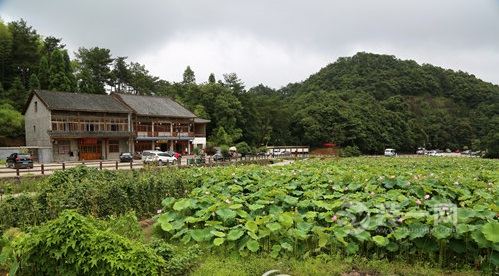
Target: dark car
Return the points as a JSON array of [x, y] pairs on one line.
[[217, 157], [19, 160], [126, 157]]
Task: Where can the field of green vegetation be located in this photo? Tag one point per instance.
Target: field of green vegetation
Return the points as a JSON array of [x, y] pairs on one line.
[[407, 216]]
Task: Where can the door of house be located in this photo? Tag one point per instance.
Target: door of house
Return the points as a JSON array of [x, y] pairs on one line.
[[90, 149]]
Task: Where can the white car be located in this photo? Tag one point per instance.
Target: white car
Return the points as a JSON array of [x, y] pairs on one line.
[[159, 157], [390, 152]]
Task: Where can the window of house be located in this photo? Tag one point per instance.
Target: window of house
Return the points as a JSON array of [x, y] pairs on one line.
[[63, 147], [34, 128], [36, 106], [114, 146]]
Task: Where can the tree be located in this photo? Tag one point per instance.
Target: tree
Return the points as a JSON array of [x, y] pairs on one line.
[[189, 77], [50, 44], [94, 69], [59, 80], [34, 83], [5, 51], [44, 73], [11, 121], [18, 94], [121, 74], [25, 55], [233, 81], [211, 78]]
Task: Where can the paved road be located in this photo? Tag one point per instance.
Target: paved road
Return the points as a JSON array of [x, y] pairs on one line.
[[106, 165]]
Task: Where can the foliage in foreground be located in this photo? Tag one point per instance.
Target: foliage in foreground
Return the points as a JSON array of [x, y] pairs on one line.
[[77, 245], [442, 210], [323, 265], [72, 244], [92, 192]]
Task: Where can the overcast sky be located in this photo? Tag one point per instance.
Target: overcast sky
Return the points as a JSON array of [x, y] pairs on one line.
[[273, 42]]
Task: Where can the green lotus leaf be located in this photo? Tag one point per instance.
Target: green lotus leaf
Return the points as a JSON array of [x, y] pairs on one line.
[[201, 235], [234, 234], [291, 200], [182, 204], [418, 230], [352, 248], [287, 246], [480, 239], [274, 226], [441, 232], [491, 231], [168, 202], [494, 258], [217, 233], [254, 207], [218, 241], [392, 246], [252, 245], [226, 213], [401, 233], [166, 226], [285, 219], [236, 206], [381, 241], [251, 226], [276, 249]]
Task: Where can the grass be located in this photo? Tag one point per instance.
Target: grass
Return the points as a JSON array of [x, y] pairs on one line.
[[25, 184], [322, 265]]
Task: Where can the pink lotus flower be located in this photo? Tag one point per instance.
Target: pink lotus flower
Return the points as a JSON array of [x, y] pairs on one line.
[[418, 202], [159, 211], [426, 196], [334, 218]]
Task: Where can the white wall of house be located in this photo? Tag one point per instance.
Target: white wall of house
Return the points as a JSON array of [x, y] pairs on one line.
[[60, 156], [199, 141], [38, 121]]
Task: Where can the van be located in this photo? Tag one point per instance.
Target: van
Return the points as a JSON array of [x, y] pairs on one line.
[[390, 152]]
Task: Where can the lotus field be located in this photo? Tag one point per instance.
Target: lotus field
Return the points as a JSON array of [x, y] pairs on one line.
[[440, 210]]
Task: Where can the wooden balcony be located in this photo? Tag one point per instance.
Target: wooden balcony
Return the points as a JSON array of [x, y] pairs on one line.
[[163, 134], [88, 134]]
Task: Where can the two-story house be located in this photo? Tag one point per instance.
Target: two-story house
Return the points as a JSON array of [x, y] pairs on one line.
[[89, 127]]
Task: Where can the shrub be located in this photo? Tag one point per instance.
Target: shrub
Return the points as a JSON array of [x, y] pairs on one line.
[[224, 150], [179, 259], [243, 148], [350, 151], [73, 244]]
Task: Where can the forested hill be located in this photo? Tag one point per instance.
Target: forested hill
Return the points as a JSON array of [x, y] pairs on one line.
[[375, 101], [367, 102]]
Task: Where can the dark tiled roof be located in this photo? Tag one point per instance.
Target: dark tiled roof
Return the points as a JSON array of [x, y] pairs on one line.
[[81, 102], [201, 121], [155, 106]]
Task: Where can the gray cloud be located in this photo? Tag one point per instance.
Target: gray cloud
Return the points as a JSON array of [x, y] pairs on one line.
[[272, 41]]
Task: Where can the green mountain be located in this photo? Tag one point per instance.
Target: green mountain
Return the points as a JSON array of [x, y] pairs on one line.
[[376, 101]]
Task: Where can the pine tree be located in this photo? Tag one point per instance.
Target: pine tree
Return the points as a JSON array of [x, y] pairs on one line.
[[58, 78], [189, 77], [17, 94], [69, 71], [44, 73], [211, 78], [34, 83]]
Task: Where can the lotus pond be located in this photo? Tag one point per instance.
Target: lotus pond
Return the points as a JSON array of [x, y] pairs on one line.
[[438, 210]]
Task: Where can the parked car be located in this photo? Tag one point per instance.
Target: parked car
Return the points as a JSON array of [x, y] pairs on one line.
[[126, 157], [174, 153], [146, 153], [421, 151], [390, 152], [19, 160], [217, 157], [160, 158], [434, 153]]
